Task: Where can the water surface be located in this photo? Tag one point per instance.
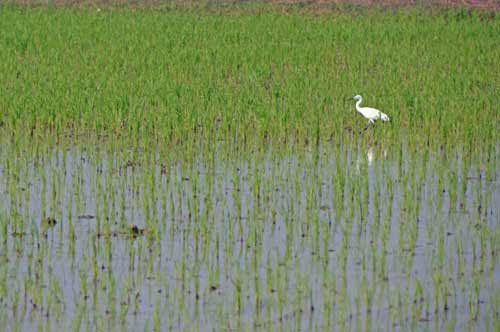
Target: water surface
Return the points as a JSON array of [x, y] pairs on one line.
[[357, 237]]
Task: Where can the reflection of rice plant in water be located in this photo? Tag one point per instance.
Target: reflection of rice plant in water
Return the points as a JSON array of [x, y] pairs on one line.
[[195, 171], [255, 239]]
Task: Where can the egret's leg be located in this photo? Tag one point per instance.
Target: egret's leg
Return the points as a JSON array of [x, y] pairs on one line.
[[368, 126]]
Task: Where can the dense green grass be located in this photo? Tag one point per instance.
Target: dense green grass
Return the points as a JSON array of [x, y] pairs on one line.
[[249, 75]]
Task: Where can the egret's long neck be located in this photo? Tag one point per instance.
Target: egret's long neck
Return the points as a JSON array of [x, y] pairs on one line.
[[358, 104]]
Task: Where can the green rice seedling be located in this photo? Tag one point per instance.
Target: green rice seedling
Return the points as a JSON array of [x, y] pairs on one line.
[[265, 88], [210, 164]]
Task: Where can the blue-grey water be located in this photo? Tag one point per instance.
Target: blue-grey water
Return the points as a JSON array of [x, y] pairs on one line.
[[353, 238]]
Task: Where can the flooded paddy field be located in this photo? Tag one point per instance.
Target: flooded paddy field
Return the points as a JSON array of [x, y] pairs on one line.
[[204, 168], [355, 237]]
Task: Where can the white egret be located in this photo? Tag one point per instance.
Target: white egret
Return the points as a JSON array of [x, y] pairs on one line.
[[371, 114]]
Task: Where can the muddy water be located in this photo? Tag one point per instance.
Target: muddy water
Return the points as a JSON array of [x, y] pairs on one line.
[[337, 237]]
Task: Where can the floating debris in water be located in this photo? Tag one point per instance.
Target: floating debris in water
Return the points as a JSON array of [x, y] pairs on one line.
[[133, 231], [86, 216], [136, 230], [49, 221]]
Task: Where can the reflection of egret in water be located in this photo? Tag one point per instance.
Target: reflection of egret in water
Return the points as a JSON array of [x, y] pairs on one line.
[[364, 158], [369, 155]]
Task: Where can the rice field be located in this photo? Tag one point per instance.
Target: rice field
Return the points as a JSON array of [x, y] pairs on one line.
[[204, 169]]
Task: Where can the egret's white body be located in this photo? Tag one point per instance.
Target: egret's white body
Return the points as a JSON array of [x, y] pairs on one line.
[[371, 114]]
